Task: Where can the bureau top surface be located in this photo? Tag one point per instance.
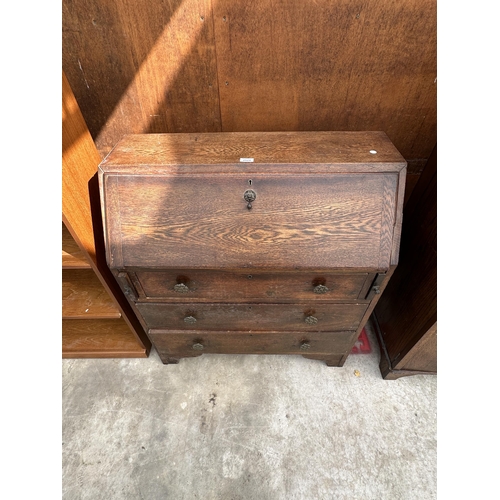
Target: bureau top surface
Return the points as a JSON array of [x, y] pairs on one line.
[[358, 150], [320, 200]]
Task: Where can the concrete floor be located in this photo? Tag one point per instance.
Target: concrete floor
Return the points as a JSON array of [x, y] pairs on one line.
[[246, 427]]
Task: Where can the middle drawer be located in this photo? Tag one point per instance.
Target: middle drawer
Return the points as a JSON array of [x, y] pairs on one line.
[[252, 317]]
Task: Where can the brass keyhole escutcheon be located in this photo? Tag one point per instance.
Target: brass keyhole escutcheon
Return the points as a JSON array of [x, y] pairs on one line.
[[249, 195]]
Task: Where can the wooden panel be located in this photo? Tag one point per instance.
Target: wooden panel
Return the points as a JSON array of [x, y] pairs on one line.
[[83, 296], [72, 256], [409, 306], [142, 66], [397, 217], [99, 338], [82, 212], [188, 209], [292, 150], [79, 164], [279, 317], [423, 356], [407, 310], [240, 285], [411, 182], [323, 65], [176, 343], [282, 65], [338, 220]]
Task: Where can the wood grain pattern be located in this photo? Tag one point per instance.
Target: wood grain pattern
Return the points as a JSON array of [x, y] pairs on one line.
[[398, 217], [81, 217], [408, 308], [180, 344], [203, 222], [293, 150], [99, 338], [72, 255], [140, 67], [159, 211], [254, 317], [367, 65], [79, 164], [423, 356], [211, 286], [83, 296], [110, 204], [326, 208], [371, 306], [388, 213]]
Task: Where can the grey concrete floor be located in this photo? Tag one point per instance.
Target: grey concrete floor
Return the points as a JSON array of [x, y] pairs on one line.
[[234, 427]]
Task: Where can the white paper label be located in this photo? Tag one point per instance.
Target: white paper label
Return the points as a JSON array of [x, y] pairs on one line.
[[246, 160]]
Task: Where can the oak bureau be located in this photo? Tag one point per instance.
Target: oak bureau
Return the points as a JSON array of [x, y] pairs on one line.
[[258, 242]]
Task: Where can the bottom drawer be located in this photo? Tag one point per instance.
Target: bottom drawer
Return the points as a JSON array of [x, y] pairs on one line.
[[186, 344]]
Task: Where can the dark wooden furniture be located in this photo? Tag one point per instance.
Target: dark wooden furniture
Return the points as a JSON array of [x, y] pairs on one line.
[[405, 317], [97, 320], [272, 243]]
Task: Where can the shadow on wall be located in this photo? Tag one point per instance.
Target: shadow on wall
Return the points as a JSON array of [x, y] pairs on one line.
[[122, 59], [229, 65]]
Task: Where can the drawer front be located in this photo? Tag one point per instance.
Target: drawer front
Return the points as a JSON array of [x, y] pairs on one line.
[[193, 342], [253, 317], [185, 285]]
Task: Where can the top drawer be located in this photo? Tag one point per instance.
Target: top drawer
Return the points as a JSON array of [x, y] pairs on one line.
[[213, 286], [307, 200]]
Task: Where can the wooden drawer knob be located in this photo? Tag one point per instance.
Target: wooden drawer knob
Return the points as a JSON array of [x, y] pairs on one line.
[[190, 319], [311, 320], [319, 289]]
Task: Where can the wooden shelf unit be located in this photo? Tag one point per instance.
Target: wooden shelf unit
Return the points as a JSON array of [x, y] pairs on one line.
[[72, 256], [83, 296], [99, 338], [97, 321]]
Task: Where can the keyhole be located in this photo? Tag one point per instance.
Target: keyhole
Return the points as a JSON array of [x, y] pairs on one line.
[[250, 181]]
